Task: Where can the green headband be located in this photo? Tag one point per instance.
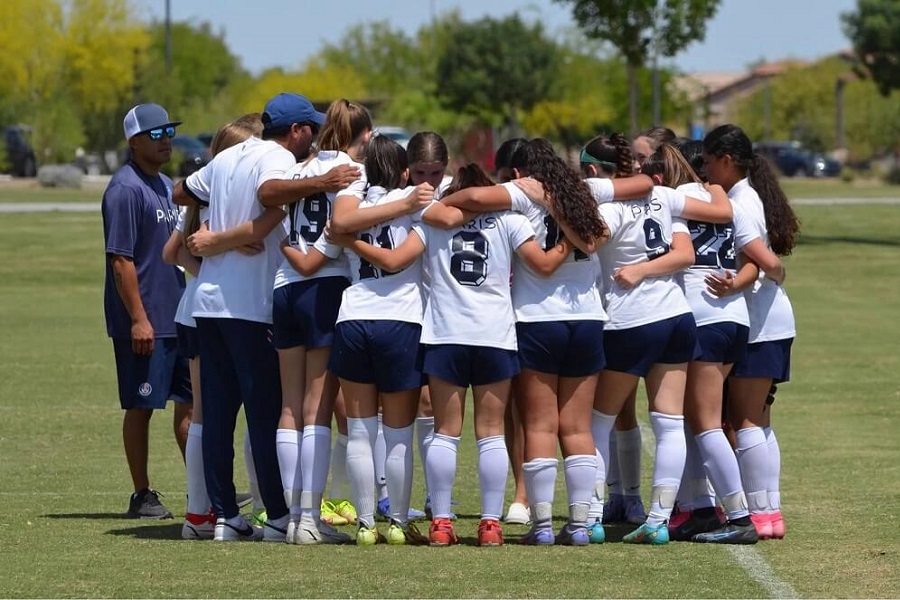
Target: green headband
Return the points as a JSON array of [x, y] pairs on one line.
[[587, 158]]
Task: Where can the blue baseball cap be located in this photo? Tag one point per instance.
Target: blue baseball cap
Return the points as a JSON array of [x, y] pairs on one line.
[[145, 117], [285, 109]]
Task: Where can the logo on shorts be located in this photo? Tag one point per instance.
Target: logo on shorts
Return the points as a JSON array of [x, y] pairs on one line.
[[145, 389]]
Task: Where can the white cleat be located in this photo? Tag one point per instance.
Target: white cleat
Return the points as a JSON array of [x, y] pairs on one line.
[[245, 532]]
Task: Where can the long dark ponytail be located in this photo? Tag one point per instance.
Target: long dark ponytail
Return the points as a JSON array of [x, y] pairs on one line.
[[781, 222]]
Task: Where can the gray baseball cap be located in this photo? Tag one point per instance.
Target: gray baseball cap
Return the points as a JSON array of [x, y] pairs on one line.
[[145, 117]]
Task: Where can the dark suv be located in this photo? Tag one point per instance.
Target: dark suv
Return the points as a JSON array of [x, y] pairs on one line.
[[19, 153], [791, 158]]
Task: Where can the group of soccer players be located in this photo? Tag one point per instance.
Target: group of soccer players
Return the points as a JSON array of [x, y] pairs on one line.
[[345, 276]]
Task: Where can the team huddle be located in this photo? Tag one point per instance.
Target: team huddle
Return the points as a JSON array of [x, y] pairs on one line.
[[340, 277]]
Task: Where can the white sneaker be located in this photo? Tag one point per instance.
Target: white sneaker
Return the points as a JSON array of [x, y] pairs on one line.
[[226, 532], [310, 532], [518, 514], [198, 527], [273, 533], [293, 526]]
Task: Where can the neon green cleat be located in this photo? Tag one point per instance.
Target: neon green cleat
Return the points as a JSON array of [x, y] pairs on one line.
[[330, 514], [368, 536], [398, 536], [345, 509], [258, 517]]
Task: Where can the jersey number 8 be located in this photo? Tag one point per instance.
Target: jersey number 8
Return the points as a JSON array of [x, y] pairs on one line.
[[470, 252]]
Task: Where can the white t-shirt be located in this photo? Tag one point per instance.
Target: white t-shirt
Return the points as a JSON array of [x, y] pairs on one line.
[[232, 285], [771, 314], [470, 303], [601, 189], [183, 312], [714, 252], [379, 295], [307, 219], [572, 292], [641, 230]]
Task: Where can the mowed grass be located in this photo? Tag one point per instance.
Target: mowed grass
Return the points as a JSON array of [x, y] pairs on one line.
[[64, 483], [23, 190]]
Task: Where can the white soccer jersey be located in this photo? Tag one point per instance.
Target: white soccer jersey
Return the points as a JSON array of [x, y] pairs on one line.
[[714, 252], [307, 219], [641, 230], [571, 293], [185, 305], [601, 189], [376, 294], [771, 314], [470, 303], [232, 285]]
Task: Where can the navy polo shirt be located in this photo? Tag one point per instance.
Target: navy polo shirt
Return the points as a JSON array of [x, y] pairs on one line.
[[138, 218]]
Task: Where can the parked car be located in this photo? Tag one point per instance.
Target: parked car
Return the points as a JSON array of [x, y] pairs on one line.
[[791, 159], [398, 134], [194, 154], [19, 154]]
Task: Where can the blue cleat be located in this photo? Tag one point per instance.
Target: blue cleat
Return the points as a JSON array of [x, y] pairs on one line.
[[596, 533], [540, 536], [729, 533], [383, 510], [656, 535], [573, 535], [614, 509]]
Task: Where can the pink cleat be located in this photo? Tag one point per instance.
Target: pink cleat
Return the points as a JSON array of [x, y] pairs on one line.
[[763, 524], [777, 524]]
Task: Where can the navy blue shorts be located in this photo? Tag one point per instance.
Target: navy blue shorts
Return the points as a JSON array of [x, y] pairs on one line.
[[564, 348], [386, 353], [304, 312], [766, 360], [149, 381], [470, 365], [724, 342], [188, 340], [634, 350]]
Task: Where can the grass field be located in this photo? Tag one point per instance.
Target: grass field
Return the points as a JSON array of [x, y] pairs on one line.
[[64, 483]]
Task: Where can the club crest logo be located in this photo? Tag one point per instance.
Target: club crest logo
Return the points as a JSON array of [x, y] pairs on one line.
[[145, 389]]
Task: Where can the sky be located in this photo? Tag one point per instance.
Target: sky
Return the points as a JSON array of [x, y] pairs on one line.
[[268, 33]]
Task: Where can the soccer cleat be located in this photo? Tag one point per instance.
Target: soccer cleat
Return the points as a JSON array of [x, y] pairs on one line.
[[648, 534], [777, 525], [634, 510], [274, 533], [441, 533], [330, 515], [573, 535], [145, 504], [309, 532], [596, 532], [695, 524], [490, 533], [614, 509], [258, 517], [368, 536], [410, 536], [762, 522], [729, 533], [517, 514], [226, 532], [539, 536], [383, 510], [679, 517], [199, 527], [345, 509]]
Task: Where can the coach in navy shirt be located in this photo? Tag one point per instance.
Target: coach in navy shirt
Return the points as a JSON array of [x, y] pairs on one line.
[[141, 295]]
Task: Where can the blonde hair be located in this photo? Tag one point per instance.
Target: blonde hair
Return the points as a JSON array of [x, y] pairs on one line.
[[671, 164], [345, 121]]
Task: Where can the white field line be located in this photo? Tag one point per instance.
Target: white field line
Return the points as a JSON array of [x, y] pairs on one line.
[[748, 557]]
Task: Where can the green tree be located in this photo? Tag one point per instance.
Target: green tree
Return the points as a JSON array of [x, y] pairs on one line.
[[874, 30], [495, 69], [637, 28]]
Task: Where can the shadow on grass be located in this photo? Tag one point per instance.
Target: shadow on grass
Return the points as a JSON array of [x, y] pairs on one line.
[[818, 240], [89, 516], [170, 531]]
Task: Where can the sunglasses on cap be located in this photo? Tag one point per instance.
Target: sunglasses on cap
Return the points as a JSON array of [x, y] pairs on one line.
[[158, 133]]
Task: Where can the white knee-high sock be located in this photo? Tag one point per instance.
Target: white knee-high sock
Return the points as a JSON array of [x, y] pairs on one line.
[[581, 478], [540, 484], [424, 434], [198, 499], [379, 456], [361, 434], [668, 467], [753, 460], [602, 427], [340, 487], [287, 446], [493, 468], [315, 457], [774, 480], [251, 474], [398, 468], [695, 487], [722, 468], [441, 472], [629, 443]]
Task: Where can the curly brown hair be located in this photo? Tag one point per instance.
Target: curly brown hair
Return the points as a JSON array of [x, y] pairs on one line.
[[569, 195]]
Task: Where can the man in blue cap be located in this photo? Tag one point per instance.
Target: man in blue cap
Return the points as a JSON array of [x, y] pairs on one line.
[[141, 295], [233, 304]]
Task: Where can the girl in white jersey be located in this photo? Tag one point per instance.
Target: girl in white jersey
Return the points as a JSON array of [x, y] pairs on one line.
[[307, 295], [752, 185], [651, 332]]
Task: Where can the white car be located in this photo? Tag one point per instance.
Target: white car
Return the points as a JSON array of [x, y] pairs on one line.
[[398, 134]]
